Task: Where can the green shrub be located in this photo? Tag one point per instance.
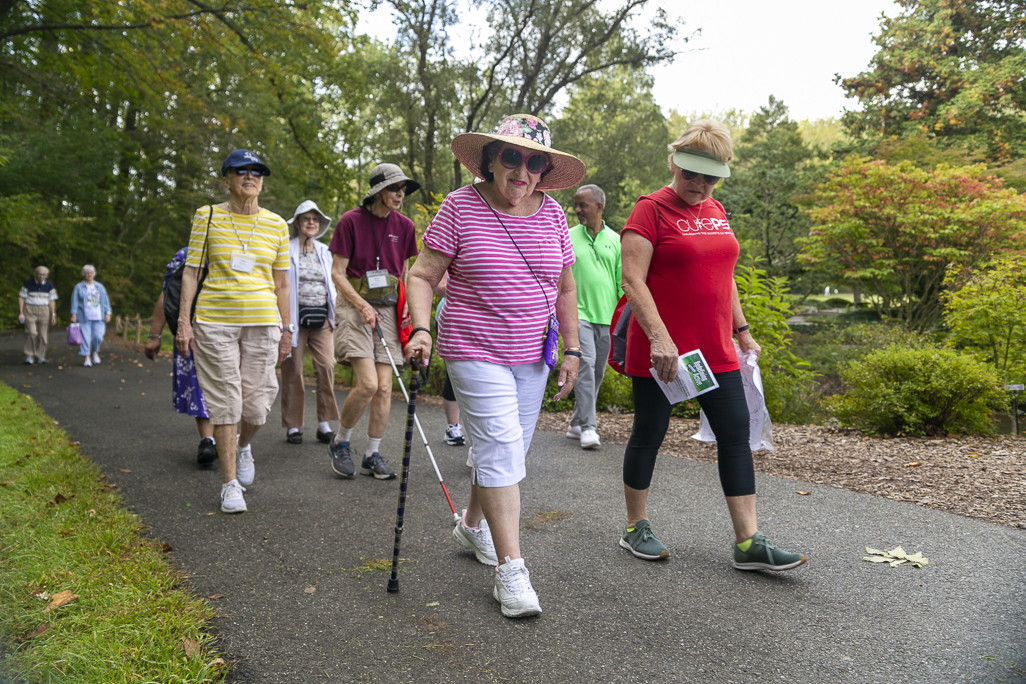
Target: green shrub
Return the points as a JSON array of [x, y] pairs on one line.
[[837, 303], [921, 391]]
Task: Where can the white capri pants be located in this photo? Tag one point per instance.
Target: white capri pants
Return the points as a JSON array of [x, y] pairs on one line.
[[499, 406]]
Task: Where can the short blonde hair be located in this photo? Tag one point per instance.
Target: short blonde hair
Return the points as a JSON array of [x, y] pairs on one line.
[[706, 135]]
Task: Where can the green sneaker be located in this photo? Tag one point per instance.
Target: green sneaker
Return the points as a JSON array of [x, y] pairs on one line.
[[640, 541], [762, 555]]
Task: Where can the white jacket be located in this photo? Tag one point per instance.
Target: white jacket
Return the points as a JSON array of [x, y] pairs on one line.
[[325, 258]]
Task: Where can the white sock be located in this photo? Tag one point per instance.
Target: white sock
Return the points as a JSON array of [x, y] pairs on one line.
[[343, 435], [372, 445], [323, 426], [293, 430]]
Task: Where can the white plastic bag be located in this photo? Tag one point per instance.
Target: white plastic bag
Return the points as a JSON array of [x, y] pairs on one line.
[[761, 428]]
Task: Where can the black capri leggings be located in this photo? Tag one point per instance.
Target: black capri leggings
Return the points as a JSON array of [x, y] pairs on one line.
[[727, 412], [447, 392]]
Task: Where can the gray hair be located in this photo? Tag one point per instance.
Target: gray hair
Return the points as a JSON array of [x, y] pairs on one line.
[[596, 193], [42, 268], [88, 267]]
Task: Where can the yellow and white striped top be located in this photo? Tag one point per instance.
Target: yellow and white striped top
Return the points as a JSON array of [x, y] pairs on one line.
[[230, 297]]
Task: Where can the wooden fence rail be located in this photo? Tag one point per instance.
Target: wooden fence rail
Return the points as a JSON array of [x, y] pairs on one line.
[[123, 324]]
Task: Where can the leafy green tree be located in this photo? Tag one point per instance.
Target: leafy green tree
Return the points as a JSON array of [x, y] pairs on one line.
[[986, 313], [948, 69], [614, 125], [771, 169], [893, 230]]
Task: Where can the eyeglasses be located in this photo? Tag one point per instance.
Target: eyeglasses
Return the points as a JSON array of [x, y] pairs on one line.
[[512, 158], [396, 187], [241, 171], [691, 175]]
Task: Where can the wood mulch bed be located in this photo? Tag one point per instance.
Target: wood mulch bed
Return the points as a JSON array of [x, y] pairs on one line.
[[979, 477]]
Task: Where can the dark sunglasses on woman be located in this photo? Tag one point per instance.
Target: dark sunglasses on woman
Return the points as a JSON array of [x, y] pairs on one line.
[[395, 187], [239, 171], [691, 175], [512, 158]]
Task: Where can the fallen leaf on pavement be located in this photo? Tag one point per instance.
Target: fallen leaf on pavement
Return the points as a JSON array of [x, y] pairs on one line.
[[432, 604], [165, 547], [61, 598], [214, 597], [913, 464], [124, 470], [804, 493], [309, 590], [895, 557]]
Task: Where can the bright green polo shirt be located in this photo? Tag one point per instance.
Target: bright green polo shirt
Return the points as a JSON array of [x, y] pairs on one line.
[[596, 272]]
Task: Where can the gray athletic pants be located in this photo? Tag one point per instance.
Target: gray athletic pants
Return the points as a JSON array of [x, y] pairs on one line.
[[594, 354]]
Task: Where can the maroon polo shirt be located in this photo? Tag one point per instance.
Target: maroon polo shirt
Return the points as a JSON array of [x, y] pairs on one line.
[[362, 237]]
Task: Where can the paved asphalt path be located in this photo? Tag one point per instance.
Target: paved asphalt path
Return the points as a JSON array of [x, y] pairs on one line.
[[608, 617]]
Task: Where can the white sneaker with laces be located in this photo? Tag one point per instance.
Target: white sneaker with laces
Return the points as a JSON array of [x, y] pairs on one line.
[[454, 435], [88, 362], [244, 470], [231, 497], [479, 541], [574, 432], [590, 439], [514, 591], [96, 357]]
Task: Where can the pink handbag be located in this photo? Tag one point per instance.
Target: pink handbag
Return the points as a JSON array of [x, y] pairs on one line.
[[74, 334]]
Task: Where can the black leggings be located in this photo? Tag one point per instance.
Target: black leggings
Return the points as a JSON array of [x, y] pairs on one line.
[[447, 393], [727, 412]]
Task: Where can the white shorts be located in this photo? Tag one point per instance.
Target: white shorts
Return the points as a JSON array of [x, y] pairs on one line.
[[499, 408]]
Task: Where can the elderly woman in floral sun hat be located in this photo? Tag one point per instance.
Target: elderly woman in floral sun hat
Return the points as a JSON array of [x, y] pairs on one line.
[[506, 247]]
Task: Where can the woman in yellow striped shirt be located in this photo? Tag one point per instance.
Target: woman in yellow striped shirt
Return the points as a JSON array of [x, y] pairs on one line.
[[242, 326]]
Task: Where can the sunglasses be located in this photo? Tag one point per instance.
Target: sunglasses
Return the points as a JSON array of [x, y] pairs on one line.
[[240, 171], [512, 158], [396, 187], [691, 175]]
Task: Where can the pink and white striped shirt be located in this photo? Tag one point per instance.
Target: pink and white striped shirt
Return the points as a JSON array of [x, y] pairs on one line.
[[495, 309]]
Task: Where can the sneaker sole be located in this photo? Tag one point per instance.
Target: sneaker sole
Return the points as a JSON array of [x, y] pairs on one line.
[[515, 612], [569, 436], [591, 446], [377, 476], [481, 558], [233, 510], [206, 459], [456, 442], [767, 566], [661, 556], [348, 476]]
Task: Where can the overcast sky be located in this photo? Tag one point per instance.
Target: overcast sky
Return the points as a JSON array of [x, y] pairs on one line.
[[750, 49]]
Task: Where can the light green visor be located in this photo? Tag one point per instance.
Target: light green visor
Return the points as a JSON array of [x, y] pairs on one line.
[[699, 161]]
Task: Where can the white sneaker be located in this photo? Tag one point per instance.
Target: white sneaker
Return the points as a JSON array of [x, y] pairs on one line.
[[231, 497], [590, 439], [244, 470], [454, 435], [574, 432], [514, 591], [29, 360], [479, 541], [88, 362], [96, 357]]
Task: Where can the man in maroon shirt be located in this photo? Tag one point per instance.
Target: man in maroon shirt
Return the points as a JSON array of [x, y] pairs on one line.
[[372, 245]]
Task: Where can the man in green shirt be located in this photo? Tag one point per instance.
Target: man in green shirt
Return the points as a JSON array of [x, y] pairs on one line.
[[597, 274]]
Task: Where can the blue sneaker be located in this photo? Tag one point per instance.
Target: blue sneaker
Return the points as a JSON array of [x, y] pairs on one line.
[[341, 459], [762, 555]]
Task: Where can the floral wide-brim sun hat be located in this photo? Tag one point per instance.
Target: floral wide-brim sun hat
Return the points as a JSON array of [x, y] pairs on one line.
[[527, 131]]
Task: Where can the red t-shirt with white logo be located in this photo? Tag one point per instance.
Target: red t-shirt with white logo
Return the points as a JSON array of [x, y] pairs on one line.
[[691, 278]]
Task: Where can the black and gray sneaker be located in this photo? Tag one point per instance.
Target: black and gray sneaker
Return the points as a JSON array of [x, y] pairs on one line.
[[341, 459], [454, 435], [375, 465], [207, 453]]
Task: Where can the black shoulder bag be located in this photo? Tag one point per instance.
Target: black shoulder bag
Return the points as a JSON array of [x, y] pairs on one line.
[[173, 286]]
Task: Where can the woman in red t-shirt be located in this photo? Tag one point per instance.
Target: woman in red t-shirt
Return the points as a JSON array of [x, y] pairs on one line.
[[678, 255]]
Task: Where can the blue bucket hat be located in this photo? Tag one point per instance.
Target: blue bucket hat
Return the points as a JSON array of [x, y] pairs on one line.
[[243, 158]]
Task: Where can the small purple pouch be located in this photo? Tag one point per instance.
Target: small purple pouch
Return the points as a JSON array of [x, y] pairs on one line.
[[551, 347]]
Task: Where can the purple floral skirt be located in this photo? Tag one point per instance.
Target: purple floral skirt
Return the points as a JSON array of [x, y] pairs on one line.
[[186, 395]]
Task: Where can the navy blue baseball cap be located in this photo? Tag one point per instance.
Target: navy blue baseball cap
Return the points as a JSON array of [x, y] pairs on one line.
[[243, 158]]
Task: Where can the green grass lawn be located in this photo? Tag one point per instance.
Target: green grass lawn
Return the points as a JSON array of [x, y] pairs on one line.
[[64, 533]]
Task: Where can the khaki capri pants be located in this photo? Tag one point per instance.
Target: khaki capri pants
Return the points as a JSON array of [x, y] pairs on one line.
[[235, 369]]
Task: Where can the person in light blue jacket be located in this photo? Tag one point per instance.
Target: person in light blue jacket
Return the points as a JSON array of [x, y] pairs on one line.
[[90, 308], [312, 297]]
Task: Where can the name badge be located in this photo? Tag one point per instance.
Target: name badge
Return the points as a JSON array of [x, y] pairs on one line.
[[242, 262], [378, 278]]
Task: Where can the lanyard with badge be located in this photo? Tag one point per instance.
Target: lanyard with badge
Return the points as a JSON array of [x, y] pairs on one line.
[[242, 261], [379, 276]]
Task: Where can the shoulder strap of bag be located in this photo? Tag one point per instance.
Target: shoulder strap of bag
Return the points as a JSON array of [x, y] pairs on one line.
[[536, 278]]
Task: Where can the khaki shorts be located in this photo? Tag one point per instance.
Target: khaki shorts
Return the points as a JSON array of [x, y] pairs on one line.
[[354, 339], [235, 369]]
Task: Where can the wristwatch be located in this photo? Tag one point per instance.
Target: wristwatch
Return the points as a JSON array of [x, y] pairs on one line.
[[291, 328]]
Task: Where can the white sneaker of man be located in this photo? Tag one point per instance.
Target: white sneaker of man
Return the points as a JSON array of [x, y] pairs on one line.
[[590, 439], [231, 497], [96, 357], [514, 591], [478, 540], [244, 469], [29, 360], [574, 432]]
